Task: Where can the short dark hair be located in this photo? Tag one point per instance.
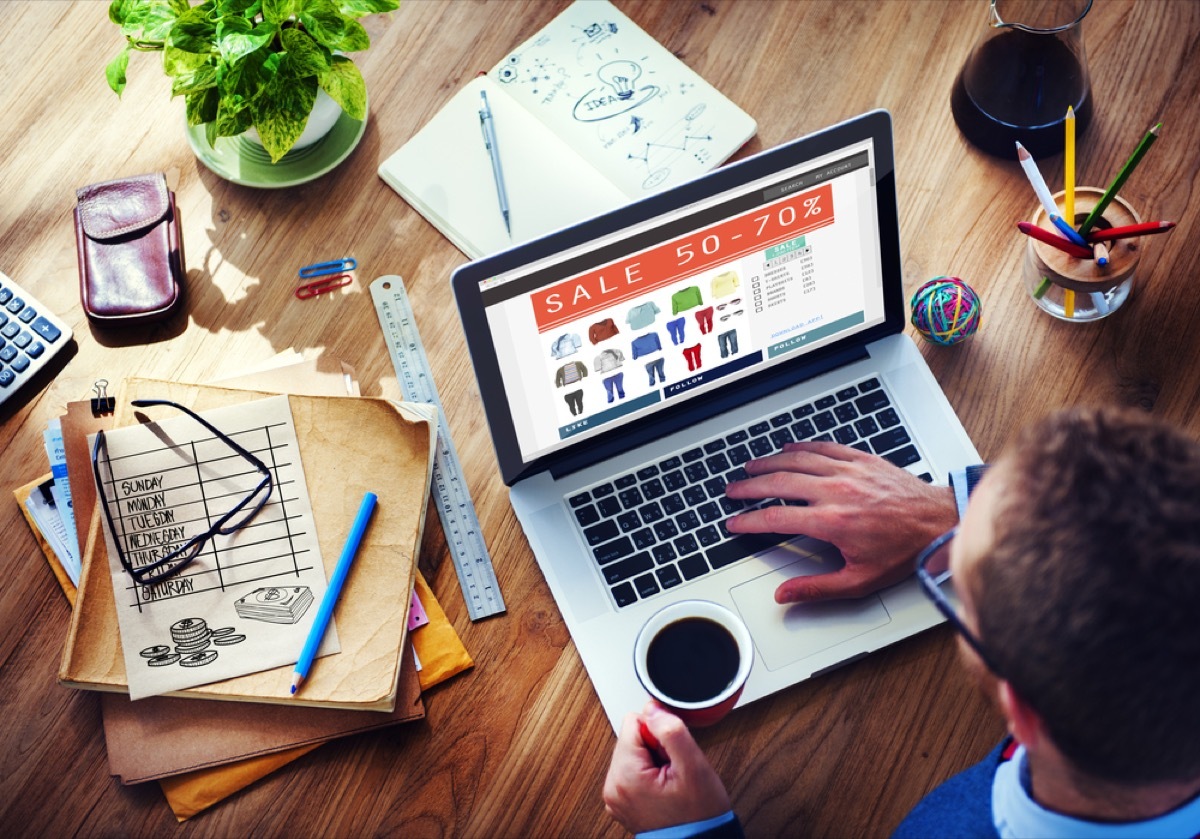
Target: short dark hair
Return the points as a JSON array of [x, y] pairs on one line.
[[1090, 598]]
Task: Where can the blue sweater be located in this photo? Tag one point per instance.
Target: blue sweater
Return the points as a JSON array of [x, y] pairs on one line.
[[961, 807]]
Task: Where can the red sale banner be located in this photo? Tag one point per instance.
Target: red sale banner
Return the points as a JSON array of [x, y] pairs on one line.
[[683, 257]]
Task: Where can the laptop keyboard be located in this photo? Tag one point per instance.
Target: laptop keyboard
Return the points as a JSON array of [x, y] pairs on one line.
[[662, 525]]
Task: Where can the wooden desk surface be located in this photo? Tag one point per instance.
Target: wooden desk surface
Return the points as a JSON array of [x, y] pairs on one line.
[[519, 747]]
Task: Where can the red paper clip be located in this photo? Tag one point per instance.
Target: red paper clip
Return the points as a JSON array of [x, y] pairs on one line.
[[322, 286]]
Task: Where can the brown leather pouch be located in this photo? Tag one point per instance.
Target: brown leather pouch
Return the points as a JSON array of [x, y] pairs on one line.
[[130, 252]]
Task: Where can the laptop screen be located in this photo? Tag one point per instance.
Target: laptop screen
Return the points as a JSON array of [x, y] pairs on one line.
[[597, 337]]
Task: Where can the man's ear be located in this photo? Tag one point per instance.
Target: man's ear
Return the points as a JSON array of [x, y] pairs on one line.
[[1024, 723]]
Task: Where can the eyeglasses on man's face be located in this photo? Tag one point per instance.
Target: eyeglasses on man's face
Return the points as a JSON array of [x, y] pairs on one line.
[[933, 572], [178, 558]]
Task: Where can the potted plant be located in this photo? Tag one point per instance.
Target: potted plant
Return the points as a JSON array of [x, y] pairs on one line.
[[242, 64]]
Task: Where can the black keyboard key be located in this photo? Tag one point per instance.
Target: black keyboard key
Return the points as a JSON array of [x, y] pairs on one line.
[[715, 487], [650, 513], [926, 477], [694, 495], [862, 446], [692, 454], [628, 521], [823, 438], [587, 515], [887, 418], [888, 440], [646, 585], [866, 427], [624, 595], [687, 520], [824, 421], [647, 472], [738, 474], [674, 480], [739, 454], [708, 535], [695, 472], [614, 550], [904, 456], [713, 446], [761, 446], [631, 497], [670, 463], [627, 568], [653, 488], [739, 436], [600, 533], [760, 428], [825, 403], [780, 420], [871, 402], [708, 512], [686, 544], [602, 490], [664, 553], [609, 506], [625, 481], [731, 505], [845, 413], [668, 577], [780, 437], [869, 384], [846, 393], [580, 499], [845, 435], [805, 410], [643, 538], [717, 464], [693, 566], [803, 429], [740, 547], [672, 504]]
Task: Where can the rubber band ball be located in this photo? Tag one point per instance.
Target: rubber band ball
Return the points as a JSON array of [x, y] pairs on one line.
[[946, 310]]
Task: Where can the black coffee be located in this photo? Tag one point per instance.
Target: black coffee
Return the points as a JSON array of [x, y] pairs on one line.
[[1021, 84], [693, 659]]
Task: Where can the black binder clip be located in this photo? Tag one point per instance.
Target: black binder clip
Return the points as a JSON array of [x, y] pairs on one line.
[[102, 403]]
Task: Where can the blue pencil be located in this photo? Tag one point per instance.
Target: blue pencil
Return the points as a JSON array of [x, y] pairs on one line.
[[1067, 230], [334, 589]]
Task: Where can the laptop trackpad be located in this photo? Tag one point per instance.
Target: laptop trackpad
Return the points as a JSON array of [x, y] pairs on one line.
[[787, 634]]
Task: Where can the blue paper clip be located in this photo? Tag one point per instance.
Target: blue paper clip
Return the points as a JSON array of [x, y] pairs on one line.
[[321, 269], [322, 285]]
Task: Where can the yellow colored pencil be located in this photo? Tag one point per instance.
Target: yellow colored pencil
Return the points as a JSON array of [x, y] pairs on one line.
[[1069, 168], [1068, 303]]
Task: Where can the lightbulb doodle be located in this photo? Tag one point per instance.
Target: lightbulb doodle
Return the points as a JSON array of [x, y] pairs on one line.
[[619, 94]]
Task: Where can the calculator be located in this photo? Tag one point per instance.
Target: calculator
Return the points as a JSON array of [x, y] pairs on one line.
[[30, 335]]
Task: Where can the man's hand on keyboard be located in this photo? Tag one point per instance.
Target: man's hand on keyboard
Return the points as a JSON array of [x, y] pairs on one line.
[[878, 515]]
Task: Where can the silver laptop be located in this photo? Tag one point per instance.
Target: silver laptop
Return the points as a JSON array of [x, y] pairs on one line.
[[631, 364]]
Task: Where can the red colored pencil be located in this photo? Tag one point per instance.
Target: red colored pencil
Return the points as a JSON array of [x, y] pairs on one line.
[[1146, 228], [1054, 240]]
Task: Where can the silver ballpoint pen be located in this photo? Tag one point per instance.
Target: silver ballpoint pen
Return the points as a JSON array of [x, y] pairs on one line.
[[489, 140]]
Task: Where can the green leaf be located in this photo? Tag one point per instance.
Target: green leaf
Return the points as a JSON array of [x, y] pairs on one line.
[[359, 8], [176, 62], [147, 22], [194, 32], [303, 57], [237, 37], [242, 78], [118, 10], [233, 116], [277, 11], [281, 111], [330, 29], [234, 8], [202, 106], [345, 85], [200, 79], [115, 71]]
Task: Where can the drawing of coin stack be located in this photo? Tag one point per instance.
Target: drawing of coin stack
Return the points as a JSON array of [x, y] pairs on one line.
[[192, 639]]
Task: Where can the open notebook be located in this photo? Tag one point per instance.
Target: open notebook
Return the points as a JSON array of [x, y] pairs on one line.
[[589, 114]]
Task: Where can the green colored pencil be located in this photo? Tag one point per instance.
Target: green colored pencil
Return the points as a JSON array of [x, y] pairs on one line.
[[1119, 180]]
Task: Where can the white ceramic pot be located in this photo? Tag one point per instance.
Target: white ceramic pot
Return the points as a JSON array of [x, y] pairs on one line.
[[324, 116]]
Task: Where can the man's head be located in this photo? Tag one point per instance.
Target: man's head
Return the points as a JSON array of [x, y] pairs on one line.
[[1080, 559]]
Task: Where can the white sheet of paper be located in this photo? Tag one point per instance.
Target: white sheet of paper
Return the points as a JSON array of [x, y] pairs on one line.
[[247, 602]]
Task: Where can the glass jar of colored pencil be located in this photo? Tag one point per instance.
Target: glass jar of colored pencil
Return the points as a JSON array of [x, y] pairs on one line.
[[1081, 282]]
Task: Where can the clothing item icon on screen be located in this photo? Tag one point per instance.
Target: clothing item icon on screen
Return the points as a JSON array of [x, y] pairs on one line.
[[688, 298], [646, 344], [602, 331], [565, 345], [725, 284], [642, 315], [570, 373], [609, 360], [737, 301], [675, 328], [704, 320], [692, 356], [614, 386], [729, 315], [656, 366], [728, 343], [574, 401]]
